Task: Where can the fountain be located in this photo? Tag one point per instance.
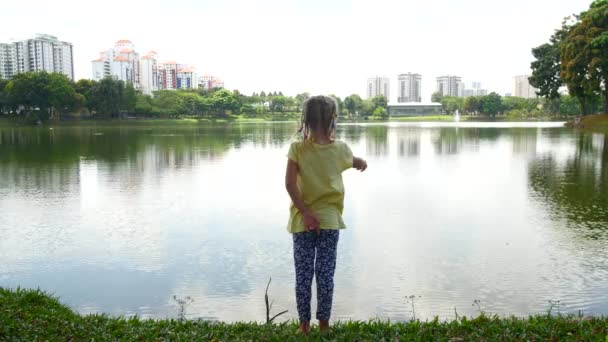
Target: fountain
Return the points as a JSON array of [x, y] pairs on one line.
[[456, 116]]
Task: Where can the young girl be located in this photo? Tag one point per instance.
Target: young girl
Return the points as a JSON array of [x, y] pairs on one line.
[[314, 182]]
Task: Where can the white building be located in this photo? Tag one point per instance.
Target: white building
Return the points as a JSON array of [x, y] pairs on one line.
[[473, 89], [41, 53], [167, 75], [187, 78], [7, 66], [522, 87], [378, 86], [450, 86], [149, 73], [207, 81], [120, 62], [409, 86]]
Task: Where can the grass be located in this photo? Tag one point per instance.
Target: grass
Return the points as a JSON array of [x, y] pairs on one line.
[[32, 315], [597, 122]]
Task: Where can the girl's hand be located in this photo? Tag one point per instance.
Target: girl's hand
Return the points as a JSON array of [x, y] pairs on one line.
[[311, 221], [359, 164]]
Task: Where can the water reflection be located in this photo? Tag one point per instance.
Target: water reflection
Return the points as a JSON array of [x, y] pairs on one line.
[[511, 215], [575, 187]]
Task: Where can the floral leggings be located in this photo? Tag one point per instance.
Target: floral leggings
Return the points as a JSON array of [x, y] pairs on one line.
[[315, 254]]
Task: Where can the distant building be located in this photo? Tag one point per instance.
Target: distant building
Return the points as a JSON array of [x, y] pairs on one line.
[[408, 86], [522, 87], [378, 86], [41, 53], [187, 78], [414, 109], [207, 81], [450, 86], [167, 75], [149, 73], [122, 62], [473, 90]]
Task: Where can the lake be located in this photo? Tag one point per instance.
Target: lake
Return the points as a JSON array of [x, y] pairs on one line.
[[120, 219]]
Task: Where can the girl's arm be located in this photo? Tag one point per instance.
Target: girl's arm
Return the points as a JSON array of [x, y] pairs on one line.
[[311, 221], [359, 164]]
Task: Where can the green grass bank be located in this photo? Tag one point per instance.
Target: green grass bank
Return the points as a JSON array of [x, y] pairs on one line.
[[32, 315], [597, 122]]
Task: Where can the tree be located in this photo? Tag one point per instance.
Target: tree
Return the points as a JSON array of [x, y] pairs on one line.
[[451, 103], [4, 100], [436, 97], [471, 105], [222, 101], [584, 57], [108, 97], [84, 87], [380, 112], [353, 104], [278, 103], [61, 95], [491, 104], [547, 64], [379, 101], [596, 20], [300, 99], [30, 90], [129, 98]]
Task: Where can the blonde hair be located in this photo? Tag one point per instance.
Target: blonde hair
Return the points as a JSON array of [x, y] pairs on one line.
[[319, 114]]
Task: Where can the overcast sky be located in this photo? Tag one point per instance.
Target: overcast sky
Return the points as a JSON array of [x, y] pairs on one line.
[[306, 45]]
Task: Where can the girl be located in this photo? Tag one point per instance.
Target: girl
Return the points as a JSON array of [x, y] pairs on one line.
[[314, 182]]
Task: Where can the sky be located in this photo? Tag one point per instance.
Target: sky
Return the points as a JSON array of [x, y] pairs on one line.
[[315, 46]]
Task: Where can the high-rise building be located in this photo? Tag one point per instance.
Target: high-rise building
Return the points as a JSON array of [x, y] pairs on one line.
[[149, 73], [167, 75], [409, 86], [7, 61], [522, 87], [120, 62], [473, 89], [187, 78], [41, 53], [378, 86], [450, 86], [207, 81]]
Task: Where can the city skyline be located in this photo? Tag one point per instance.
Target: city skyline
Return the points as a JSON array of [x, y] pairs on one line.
[[268, 45]]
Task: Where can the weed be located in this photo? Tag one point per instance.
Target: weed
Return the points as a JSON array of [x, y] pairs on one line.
[[182, 302], [269, 306], [411, 299]]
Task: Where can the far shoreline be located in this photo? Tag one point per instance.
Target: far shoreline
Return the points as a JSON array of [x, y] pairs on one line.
[[186, 121]]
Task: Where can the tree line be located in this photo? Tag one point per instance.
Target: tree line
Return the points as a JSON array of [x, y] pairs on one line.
[[576, 57], [40, 96], [493, 104]]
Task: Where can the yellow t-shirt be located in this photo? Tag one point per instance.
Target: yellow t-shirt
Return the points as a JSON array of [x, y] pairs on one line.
[[320, 182]]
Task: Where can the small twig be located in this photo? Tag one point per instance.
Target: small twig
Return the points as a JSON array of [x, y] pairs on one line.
[[411, 299], [181, 313], [553, 303], [477, 302], [269, 306]]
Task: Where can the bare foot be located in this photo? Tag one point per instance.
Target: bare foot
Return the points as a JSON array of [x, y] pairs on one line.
[[304, 328], [324, 325]]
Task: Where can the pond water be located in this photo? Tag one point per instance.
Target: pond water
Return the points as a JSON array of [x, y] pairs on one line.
[[120, 219]]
